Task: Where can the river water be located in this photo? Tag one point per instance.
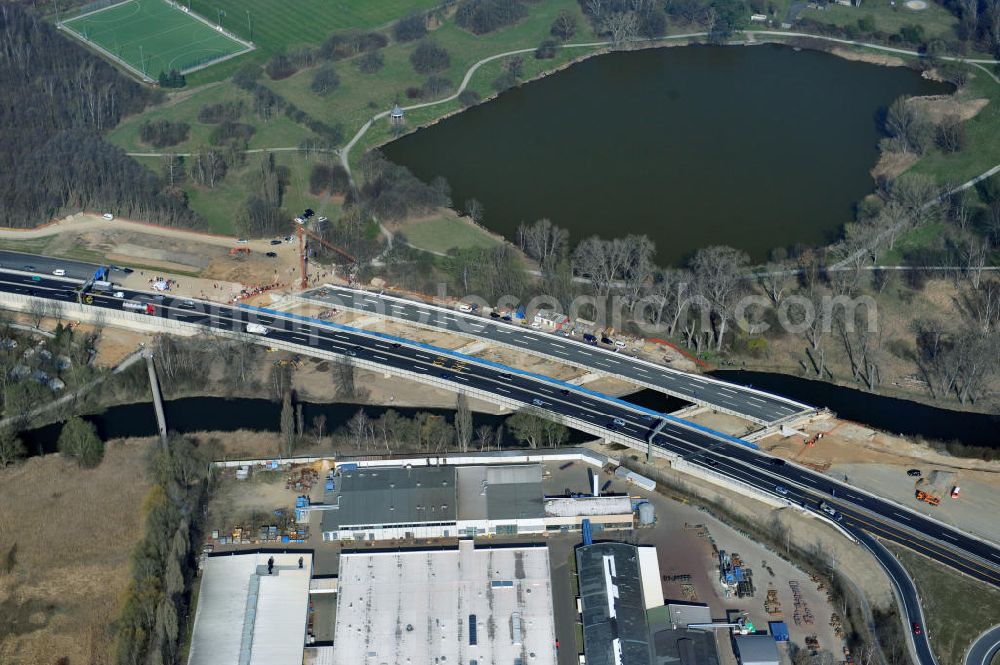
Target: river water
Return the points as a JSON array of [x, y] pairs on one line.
[[693, 146]]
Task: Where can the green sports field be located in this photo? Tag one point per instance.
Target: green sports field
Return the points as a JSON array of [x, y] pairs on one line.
[[151, 36]]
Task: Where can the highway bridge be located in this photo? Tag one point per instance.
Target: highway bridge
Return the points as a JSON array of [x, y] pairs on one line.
[[757, 406], [859, 514]]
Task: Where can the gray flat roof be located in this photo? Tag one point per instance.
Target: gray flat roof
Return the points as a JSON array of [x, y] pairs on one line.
[[512, 491], [611, 614], [757, 650], [394, 495]]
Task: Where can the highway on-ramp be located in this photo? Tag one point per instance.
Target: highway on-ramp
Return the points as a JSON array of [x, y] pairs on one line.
[[985, 648], [756, 405]]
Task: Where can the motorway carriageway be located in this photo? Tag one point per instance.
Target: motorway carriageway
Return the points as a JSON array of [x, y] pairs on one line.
[[758, 406], [710, 450]]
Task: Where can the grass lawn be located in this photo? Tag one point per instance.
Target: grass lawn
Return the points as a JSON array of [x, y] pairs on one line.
[[924, 235], [957, 608], [982, 146], [152, 36], [440, 234], [936, 20]]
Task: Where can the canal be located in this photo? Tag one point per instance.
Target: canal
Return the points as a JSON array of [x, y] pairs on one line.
[[693, 146]]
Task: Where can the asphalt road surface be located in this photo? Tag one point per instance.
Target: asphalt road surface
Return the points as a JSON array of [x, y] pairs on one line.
[[985, 648], [759, 406], [700, 446], [45, 265]]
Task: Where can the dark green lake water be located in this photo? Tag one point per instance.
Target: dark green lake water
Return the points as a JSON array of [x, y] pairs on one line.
[[751, 147]]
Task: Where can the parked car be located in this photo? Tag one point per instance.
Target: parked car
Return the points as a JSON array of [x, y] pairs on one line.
[[275, 242], [495, 314], [914, 472], [589, 339], [322, 220], [242, 241], [59, 272], [619, 344], [108, 216], [288, 238], [271, 255], [464, 307], [606, 340]]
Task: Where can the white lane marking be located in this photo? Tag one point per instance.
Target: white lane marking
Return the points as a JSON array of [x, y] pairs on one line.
[[381, 346], [754, 399], [640, 370], [545, 390], [299, 337], [949, 536], [586, 353], [380, 357], [421, 368], [420, 355], [562, 353], [810, 480], [461, 378], [503, 390], [903, 517], [341, 337], [334, 346]]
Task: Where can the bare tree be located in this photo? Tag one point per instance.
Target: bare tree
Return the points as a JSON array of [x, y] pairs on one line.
[[463, 423], [319, 427], [485, 436], [622, 26], [343, 379], [358, 427], [719, 273], [36, 311], [975, 252], [544, 242]]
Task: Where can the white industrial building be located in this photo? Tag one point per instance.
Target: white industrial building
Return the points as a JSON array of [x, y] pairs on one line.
[[248, 615], [455, 606], [757, 650], [406, 502]]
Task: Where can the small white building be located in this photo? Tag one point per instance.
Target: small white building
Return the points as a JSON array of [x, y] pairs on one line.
[[548, 319]]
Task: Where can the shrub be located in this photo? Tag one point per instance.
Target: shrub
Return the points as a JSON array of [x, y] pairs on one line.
[[78, 440], [213, 114], [370, 63], [350, 43], [412, 92], [546, 50], [172, 79], [866, 23], [280, 67], [950, 134], [231, 132], [564, 27], [325, 81], [325, 178], [653, 24], [483, 16], [410, 28], [429, 58], [319, 179], [469, 97], [161, 133], [246, 76], [913, 34], [505, 81], [435, 86]]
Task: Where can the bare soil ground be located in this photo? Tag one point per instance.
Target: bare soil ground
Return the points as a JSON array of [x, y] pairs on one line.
[[878, 462], [72, 531]]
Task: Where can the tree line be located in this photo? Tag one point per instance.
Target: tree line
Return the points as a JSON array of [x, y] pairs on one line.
[[52, 157]]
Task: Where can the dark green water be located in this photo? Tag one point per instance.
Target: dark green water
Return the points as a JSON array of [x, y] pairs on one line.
[[751, 147]]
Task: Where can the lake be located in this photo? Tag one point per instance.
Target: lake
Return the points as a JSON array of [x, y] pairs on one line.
[[753, 147]]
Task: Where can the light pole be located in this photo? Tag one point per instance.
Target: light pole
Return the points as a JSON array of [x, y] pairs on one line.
[[222, 12], [249, 25]]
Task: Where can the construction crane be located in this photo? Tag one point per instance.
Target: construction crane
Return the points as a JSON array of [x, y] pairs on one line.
[[301, 231]]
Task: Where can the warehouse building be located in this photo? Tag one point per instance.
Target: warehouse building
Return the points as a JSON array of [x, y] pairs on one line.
[[466, 605], [757, 650], [406, 502], [252, 609]]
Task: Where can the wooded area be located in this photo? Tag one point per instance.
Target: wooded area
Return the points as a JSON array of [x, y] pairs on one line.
[[61, 98]]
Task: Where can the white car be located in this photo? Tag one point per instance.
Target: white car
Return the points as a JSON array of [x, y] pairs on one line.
[[242, 241], [619, 344], [59, 272], [464, 307], [108, 216], [119, 294]]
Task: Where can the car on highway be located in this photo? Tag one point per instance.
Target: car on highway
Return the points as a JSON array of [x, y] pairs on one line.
[[350, 352], [189, 304], [711, 461], [619, 422], [917, 630], [783, 491], [446, 375], [59, 272], [119, 294], [537, 402], [35, 278], [777, 461], [108, 216], [564, 392], [914, 472], [29, 268]]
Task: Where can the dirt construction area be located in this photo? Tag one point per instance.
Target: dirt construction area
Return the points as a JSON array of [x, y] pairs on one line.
[[879, 463]]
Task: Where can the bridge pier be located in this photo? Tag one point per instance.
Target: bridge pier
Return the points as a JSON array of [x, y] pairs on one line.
[[154, 387]]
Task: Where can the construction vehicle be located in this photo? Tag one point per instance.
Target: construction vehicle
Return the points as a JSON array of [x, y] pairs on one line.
[[928, 498], [955, 491], [239, 251]]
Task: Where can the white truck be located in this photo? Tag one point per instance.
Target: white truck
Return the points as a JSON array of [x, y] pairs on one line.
[[257, 329]]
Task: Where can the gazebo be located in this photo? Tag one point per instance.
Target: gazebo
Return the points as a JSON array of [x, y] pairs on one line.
[[396, 115]]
